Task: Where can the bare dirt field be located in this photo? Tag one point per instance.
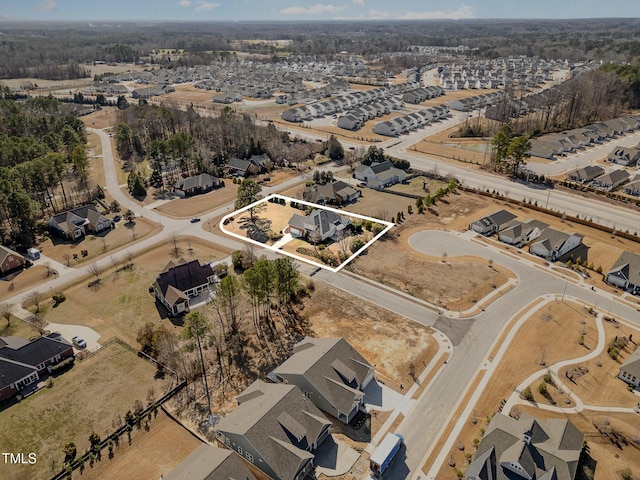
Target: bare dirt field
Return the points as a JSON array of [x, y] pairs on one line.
[[386, 340], [533, 343], [151, 454], [470, 150], [121, 304], [425, 277], [83, 399], [200, 204], [99, 245]]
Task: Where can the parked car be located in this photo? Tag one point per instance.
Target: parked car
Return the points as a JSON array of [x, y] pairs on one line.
[[117, 218], [314, 271], [79, 342], [195, 219]]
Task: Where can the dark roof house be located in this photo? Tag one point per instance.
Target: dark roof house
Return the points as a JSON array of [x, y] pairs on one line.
[[496, 222], [276, 428], [625, 272], [211, 463], [334, 193], [527, 449], [10, 260], [195, 185], [323, 223], [178, 282], [75, 223], [330, 372]]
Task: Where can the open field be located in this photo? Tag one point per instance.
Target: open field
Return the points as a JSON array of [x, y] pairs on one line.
[[151, 454], [121, 304], [419, 186], [551, 333], [103, 118], [85, 398], [386, 340], [199, 204], [98, 245]]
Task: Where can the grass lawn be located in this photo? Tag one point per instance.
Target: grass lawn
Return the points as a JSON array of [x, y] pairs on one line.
[[122, 303], [150, 455], [200, 204], [415, 186], [98, 245], [23, 280], [83, 399]]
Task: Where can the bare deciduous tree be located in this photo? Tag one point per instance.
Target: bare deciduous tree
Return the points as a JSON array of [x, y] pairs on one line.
[[35, 299], [6, 310], [96, 271], [39, 322], [67, 258]]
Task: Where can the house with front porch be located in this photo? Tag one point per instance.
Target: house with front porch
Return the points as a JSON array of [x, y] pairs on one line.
[[10, 261], [630, 369], [330, 372], [324, 224], [625, 272], [76, 223], [555, 245], [177, 283], [203, 183], [379, 175], [276, 428]]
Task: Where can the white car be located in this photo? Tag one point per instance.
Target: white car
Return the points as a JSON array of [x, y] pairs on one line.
[[79, 342]]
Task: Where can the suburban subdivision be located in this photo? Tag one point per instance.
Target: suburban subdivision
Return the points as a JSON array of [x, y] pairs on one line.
[[331, 248]]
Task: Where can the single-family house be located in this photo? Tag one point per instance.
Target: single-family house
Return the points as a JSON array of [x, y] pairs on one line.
[[585, 174], [496, 222], [630, 369], [186, 187], [611, 180], [210, 463], [555, 245], [179, 282], [330, 372], [76, 223], [333, 193], [625, 272], [324, 224], [633, 187], [626, 156], [241, 168], [10, 260], [527, 448], [276, 428], [520, 233], [380, 175], [22, 362], [292, 115]]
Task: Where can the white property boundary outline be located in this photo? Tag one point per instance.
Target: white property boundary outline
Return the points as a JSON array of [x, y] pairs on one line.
[[345, 213]]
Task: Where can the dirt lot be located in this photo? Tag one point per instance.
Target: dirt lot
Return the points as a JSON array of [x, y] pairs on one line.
[[386, 340], [151, 454], [98, 245], [121, 304], [103, 118], [427, 277], [83, 399], [532, 343]]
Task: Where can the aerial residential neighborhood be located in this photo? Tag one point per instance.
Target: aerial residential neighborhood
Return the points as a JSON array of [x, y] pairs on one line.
[[356, 241]]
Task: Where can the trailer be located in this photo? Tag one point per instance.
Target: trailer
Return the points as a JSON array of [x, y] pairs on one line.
[[385, 452]]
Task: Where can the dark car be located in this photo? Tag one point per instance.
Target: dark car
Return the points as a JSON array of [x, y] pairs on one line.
[[314, 271], [195, 220]]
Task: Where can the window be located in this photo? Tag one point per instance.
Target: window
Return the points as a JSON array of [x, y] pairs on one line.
[[249, 457], [227, 442], [239, 449]]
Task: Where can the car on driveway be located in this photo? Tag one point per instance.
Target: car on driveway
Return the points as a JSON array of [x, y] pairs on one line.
[[79, 342], [195, 220]]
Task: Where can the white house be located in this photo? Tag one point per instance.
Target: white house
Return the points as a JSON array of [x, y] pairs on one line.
[[379, 175], [625, 273], [553, 244], [630, 369]]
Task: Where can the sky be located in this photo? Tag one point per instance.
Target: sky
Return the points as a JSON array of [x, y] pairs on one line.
[[292, 10]]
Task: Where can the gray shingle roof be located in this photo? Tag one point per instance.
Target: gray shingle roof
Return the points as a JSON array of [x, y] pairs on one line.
[[210, 463]]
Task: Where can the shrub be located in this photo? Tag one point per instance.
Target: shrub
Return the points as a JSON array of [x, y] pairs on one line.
[[527, 394], [542, 388], [626, 474], [58, 298], [356, 244], [376, 228], [547, 377]]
